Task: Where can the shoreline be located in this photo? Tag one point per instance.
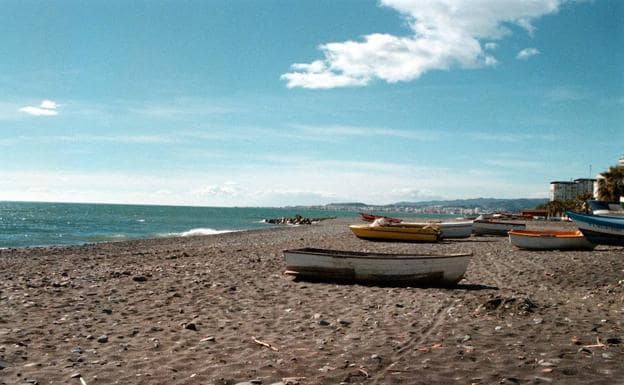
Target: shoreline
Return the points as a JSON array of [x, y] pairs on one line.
[[129, 241], [191, 310]]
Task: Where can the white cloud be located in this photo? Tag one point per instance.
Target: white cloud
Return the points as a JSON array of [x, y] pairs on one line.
[[46, 108], [445, 34], [490, 46], [527, 53], [490, 61], [49, 105], [227, 189]]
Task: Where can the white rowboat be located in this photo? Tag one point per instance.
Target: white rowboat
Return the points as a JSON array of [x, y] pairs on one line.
[[489, 227], [549, 240], [448, 230], [436, 269]]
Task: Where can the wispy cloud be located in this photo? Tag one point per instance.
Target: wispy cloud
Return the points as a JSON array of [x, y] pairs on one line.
[[84, 138], [7, 142], [527, 53], [565, 94], [514, 163], [46, 108], [445, 34], [295, 181], [180, 108], [509, 137], [331, 132]]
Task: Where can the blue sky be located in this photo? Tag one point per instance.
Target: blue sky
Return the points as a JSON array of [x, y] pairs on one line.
[[249, 103]]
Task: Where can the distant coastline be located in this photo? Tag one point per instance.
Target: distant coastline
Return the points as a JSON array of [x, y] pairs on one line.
[[443, 207]]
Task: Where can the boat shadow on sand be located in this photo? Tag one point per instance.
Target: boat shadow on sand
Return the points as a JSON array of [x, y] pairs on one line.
[[389, 284], [487, 239]]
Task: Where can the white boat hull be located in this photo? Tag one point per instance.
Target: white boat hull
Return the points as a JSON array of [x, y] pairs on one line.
[[455, 229], [448, 230], [495, 228], [377, 267], [550, 242]]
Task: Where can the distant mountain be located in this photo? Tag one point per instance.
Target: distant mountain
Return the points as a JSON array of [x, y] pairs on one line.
[[482, 203], [353, 204]]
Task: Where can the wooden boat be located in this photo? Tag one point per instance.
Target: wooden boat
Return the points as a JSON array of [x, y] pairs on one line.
[[372, 217], [442, 269], [600, 229], [459, 229], [491, 227], [549, 240], [397, 232]]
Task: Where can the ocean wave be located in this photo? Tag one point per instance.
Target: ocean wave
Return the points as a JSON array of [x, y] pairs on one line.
[[104, 237], [198, 231]]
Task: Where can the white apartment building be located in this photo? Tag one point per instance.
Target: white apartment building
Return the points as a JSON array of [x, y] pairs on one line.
[[566, 190]]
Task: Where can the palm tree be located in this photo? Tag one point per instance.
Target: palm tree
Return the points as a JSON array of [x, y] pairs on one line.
[[580, 203], [555, 208], [611, 185]]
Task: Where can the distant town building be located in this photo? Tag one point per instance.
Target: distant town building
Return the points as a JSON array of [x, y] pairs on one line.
[[566, 190]]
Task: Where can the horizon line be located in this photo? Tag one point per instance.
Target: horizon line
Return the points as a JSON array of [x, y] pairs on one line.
[[242, 206]]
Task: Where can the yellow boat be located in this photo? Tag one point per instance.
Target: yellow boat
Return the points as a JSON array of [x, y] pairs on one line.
[[396, 232]]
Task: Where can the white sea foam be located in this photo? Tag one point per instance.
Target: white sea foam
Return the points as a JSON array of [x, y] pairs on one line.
[[198, 231], [202, 231], [105, 238]]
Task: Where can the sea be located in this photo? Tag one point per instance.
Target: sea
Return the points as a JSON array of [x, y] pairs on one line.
[[30, 224]]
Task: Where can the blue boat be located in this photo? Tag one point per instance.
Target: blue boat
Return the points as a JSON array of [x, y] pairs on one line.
[[600, 229]]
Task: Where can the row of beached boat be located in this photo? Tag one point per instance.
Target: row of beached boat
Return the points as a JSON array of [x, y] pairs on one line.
[[392, 229], [441, 269], [593, 229], [418, 268]]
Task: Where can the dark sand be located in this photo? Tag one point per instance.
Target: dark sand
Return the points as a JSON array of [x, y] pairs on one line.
[[186, 310]]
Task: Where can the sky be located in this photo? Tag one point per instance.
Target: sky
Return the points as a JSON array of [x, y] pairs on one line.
[[279, 102]]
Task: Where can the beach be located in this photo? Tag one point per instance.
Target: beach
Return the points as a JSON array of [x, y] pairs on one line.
[[219, 310]]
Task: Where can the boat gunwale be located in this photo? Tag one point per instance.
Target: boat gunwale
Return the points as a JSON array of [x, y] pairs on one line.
[[396, 228], [344, 254], [440, 224], [547, 234], [600, 220], [486, 221]]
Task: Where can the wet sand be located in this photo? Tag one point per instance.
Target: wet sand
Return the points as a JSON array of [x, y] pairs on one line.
[[219, 310]]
